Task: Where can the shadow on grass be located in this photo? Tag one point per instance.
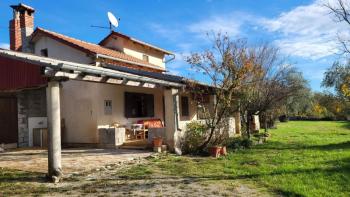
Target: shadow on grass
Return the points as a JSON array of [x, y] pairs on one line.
[[12, 176], [346, 124], [338, 167], [297, 146]]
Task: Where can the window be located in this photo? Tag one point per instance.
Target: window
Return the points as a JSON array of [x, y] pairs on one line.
[[108, 107], [145, 57], [184, 106], [139, 105], [44, 52]]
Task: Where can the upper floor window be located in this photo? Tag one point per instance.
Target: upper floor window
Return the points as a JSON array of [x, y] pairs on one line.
[[145, 58], [44, 52]]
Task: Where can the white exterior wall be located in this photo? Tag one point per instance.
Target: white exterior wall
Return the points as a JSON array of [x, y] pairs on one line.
[[184, 120], [136, 50], [60, 51], [83, 108]]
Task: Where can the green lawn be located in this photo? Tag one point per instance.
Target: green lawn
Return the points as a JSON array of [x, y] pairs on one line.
[[300, 159]]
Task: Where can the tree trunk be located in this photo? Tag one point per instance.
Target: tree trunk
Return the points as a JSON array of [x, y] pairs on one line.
[[201, 148], [248, 125], [265, 123]]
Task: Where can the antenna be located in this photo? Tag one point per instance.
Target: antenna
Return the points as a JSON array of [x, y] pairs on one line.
[[113, 21]]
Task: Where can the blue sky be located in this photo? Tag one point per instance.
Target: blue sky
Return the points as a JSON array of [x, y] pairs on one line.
[[303, 29]]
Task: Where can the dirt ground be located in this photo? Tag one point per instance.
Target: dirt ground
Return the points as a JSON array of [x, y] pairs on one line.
[[73, 160], [99, 172]]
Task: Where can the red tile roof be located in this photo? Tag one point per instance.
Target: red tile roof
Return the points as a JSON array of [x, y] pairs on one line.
[[90, 47]]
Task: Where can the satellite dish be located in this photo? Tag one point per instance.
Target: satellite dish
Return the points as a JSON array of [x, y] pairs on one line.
[[112, 20]]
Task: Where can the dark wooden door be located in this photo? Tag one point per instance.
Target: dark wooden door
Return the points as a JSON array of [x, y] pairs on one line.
[[8, 120]]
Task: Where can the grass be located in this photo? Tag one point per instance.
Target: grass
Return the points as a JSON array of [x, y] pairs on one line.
[[300, 159]]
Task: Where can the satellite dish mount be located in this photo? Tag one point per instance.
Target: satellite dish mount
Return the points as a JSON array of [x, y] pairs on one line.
[[113, 21]]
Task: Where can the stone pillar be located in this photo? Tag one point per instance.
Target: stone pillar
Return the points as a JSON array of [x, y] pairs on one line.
[[54, 137], [231, 127], [173, 135], [238, 123]]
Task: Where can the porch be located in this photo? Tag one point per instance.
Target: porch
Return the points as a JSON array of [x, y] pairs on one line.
[[75, 160], [78, 98]]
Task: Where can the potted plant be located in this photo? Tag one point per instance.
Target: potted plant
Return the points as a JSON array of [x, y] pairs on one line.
[[215, 151], [157, 141], [223, 150]]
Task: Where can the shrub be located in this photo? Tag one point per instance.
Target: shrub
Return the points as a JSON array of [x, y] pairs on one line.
[[195, 135], [283, 118], [239, 143]]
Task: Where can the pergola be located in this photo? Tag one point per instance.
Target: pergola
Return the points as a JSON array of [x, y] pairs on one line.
[[58, 70]]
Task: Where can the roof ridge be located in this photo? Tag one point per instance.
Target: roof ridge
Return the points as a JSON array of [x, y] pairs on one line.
[[52, 32], [98, 49]]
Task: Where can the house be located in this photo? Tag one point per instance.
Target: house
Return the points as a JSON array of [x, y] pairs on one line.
[[50, 80]]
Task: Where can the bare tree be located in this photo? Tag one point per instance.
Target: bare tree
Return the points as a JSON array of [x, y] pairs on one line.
[[228, 66], [338, 76], [276, 82], [341, 10]]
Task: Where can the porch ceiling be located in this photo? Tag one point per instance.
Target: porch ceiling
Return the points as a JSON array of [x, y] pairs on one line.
[[86, 72]]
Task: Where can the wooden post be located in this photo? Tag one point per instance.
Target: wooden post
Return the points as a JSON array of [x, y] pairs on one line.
[[54, 137]]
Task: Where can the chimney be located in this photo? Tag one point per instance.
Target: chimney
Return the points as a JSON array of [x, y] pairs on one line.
[[21, 27]]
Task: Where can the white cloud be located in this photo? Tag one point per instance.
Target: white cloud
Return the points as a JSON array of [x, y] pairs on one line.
[[4, 46], [307, 31]]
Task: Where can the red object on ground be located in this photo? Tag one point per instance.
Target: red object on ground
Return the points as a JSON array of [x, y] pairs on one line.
[[215, 151], [223, 151], [157, 142]]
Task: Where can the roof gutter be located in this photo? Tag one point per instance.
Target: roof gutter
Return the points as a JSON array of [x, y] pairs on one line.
[[129, 62]]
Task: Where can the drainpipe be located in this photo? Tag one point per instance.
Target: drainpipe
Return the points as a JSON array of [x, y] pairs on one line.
[[171, 59]]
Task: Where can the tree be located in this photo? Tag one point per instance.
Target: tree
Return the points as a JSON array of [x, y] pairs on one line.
[[276, 82], [300, 104], [228, 65], [338, 77], [329, 106], [341, 11]]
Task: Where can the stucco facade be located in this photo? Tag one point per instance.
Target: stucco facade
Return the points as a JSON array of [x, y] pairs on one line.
[[136, 50], [82, 108], [60, 51]]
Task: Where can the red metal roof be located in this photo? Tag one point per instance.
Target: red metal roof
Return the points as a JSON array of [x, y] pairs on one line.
[[16, 74], [89, 47]]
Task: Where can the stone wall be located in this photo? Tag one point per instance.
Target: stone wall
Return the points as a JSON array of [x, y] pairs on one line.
[[31, 103]]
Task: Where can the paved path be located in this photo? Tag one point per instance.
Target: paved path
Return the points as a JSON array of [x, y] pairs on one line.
[[73, 160]]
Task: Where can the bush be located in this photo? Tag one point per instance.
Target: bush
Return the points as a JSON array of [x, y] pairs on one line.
[[239, 143], [196, 134], [283, 118]]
